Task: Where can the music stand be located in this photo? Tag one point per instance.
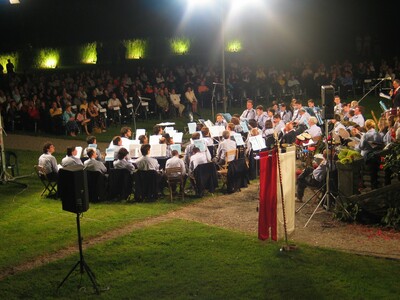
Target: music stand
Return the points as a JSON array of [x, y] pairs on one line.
[[137, 108]]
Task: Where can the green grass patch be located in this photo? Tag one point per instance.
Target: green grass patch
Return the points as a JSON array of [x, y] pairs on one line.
[[187, 260], [31, 225]]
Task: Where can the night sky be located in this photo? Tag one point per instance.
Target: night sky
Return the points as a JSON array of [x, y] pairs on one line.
[[302, 26]]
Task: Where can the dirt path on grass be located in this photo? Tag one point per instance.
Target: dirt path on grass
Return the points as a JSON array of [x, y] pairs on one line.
[[237, 212]]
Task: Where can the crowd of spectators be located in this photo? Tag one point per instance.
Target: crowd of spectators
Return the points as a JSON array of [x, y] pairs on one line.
[[69, 101]]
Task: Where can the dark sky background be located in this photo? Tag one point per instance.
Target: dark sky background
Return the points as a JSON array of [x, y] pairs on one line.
[[288, 26]]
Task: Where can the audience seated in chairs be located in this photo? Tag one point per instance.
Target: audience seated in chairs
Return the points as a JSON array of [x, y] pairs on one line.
[[70, 159], [69, 121]]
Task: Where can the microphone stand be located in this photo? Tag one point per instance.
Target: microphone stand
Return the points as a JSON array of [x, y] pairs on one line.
[[373, 88]]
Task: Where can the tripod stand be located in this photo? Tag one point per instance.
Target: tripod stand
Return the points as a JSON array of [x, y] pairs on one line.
[[4, 176], [325, 200], [83, 266]]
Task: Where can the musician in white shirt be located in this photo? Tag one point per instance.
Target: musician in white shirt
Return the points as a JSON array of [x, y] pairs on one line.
[[249, 113], [338, 106], [337, 125], [261, 116], [314, 130], [226, 145], [358, 117], [286, 115], [279, 125], [303, 117]]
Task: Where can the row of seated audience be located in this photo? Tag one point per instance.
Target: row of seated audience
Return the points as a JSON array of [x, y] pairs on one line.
[[28, 98]]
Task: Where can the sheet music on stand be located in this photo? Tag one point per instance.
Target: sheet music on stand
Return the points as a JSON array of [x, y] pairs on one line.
[[192, 127], [176, 147], [140, 132], [109, 154], [227, 116], [238, 139], [244, 126], [154, 139], [177, 136], [168, 129], [200, 144], [134, 150], [78, 151], [208, 123], [158, 150], [216, 131], [257, 142]]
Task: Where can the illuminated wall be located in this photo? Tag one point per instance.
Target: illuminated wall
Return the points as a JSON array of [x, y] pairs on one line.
[[180, 45], [233, 46], [47, 58], [135, 49], [88, 53], [13, 57]]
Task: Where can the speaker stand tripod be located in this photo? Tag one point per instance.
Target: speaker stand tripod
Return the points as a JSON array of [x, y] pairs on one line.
[[83, 266]]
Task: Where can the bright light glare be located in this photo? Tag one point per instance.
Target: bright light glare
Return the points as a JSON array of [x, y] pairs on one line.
[[234, 46], [199, 2], [13, 57], [47, 58], [89, 53], [14, 2], [180, 45], [135, 49], [237, 6]]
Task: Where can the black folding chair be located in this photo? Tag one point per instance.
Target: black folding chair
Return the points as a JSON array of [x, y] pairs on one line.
[[50, 186]]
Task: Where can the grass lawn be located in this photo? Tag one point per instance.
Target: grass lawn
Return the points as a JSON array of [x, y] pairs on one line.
[[187, 260], [32, 226]]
